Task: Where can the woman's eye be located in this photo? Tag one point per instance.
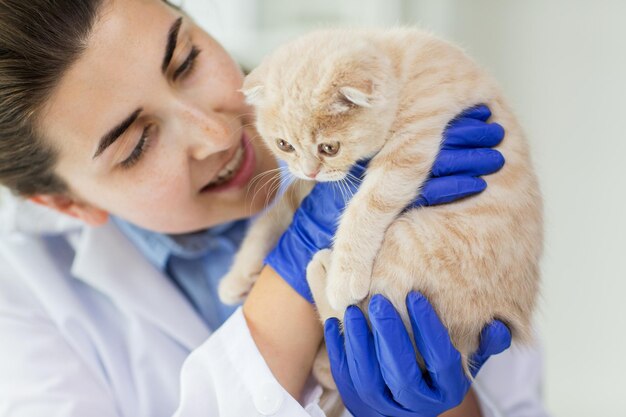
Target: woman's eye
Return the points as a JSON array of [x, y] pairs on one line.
[[141, 147], [187, 66]]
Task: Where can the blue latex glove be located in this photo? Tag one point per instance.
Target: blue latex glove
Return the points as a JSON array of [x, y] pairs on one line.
[[464, 157], [376, 370]]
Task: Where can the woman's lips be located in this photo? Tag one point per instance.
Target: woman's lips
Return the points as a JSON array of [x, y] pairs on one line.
[[243, 175]]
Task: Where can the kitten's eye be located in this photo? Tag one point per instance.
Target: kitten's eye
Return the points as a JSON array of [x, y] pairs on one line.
[[284, 146], [328, 149]]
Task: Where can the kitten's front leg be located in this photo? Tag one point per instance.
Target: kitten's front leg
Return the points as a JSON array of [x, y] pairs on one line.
[[247, 264], [260, 239], [393, 180]]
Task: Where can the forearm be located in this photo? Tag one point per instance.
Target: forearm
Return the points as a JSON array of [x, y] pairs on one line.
[[285, 328]]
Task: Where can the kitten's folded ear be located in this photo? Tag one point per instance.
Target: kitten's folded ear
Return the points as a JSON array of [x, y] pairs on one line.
[[356, 96], [253, 87], [254, 95], [360, 79], [349, 97]]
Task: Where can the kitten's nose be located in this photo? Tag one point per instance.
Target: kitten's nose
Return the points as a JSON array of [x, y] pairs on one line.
[[313, 174]]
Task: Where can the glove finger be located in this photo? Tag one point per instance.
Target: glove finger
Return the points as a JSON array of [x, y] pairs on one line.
[[495, 338], [396, 355], [472, 162], [336, 353], [363, 364], [442, 360], [341, 374], [447, 189], [478, 112], [471, 133]]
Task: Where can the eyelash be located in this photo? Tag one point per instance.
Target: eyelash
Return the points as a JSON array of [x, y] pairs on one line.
[[141, 147], [188, 65], [185, 69]]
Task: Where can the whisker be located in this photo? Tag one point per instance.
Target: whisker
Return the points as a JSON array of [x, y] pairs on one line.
[[255, 138], [241, 116], [348, 187], [258, 179], [351, 185], [300, 185], [243, 127], [262, 174], [290, 179], [259, 187], [343, 193], [274, 188], [270, 187], [354, 178]]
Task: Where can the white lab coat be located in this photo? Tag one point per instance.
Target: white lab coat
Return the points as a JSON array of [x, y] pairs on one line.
[[104, 334]]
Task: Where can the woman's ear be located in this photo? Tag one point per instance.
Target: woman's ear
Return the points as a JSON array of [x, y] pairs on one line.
[[88, 213]]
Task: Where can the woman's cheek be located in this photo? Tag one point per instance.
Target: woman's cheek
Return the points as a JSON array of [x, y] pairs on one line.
[[162, 186]]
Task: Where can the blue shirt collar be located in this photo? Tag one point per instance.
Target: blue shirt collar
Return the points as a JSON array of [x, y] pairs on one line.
[[159, 247]]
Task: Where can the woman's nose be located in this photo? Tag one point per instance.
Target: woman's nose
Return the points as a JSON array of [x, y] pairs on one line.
[[206, 132]]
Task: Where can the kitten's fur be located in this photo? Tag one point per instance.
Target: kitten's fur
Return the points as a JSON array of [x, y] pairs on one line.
[[390, 94]]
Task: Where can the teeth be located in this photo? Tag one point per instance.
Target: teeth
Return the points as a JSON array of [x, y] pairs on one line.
[[234, 163], [230, 169]]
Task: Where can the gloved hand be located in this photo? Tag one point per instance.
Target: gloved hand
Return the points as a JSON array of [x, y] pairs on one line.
[[376, 370], [464, 157]]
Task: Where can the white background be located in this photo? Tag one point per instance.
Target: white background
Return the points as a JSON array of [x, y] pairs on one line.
[[562, 64]]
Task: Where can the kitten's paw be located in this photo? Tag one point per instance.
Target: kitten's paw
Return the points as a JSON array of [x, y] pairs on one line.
[[316, 275], [317, 271], [346, 285], [236, 285]]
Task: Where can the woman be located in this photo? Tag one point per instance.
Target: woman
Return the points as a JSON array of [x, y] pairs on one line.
[[121, 116]]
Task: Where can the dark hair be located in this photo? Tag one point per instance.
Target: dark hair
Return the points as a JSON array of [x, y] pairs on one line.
[[39, 40]]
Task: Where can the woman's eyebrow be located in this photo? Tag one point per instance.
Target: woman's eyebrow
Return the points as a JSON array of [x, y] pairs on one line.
[[172, 38], [114, 134]]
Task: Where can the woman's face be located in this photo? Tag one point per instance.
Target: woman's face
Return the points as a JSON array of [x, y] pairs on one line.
[[149, 119]]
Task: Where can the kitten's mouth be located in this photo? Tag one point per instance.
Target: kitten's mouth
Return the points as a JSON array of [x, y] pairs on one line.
[[332, 176]]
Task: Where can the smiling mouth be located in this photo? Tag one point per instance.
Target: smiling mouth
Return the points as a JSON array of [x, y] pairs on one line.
[[230, 169]]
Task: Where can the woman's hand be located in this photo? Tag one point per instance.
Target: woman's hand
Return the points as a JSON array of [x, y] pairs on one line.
[[376, 370], [464, 157]]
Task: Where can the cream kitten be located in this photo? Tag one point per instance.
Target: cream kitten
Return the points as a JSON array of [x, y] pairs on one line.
[[334, 97]]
